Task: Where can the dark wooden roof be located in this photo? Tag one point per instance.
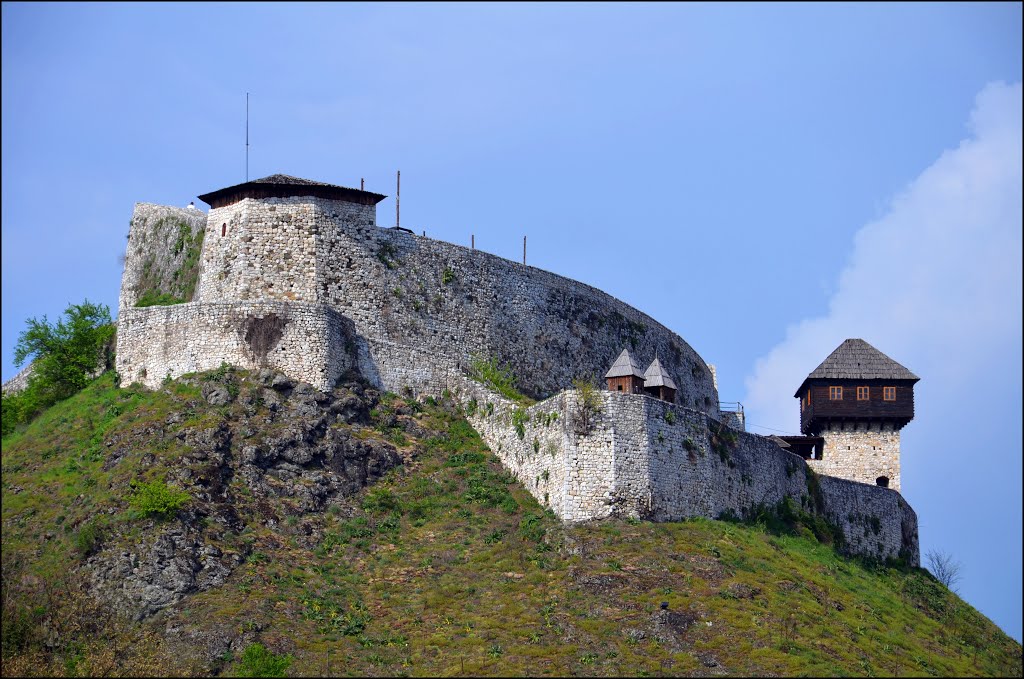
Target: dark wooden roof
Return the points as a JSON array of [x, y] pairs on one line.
[[285, 186], [855, 359]]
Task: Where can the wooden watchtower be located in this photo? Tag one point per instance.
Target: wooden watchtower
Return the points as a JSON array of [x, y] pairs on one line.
[[658, 384], [856, 384], [855, 403], [625, 375]]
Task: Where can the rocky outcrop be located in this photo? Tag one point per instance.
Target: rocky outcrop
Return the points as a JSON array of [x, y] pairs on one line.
[[281, 450]]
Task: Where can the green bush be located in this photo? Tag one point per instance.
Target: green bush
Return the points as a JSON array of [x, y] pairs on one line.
[[64, 357], [151, 298], [156, 499], [258, 661], [489, 372]]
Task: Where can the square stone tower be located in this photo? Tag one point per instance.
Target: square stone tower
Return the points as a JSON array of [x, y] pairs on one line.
[[265, 239], [858, 400]]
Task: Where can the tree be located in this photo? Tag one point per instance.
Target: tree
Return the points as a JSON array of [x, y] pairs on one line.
[[944, 567], [64, 357]]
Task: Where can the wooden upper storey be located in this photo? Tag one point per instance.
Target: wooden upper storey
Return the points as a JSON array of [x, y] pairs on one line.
[[827, 401]]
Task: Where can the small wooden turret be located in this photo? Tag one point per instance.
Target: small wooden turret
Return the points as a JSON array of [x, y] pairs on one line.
[[625, 375], [658, 384]]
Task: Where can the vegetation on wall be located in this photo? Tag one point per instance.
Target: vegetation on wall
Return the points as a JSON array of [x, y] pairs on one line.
[[171, 277], [65, 355], [488, 371]]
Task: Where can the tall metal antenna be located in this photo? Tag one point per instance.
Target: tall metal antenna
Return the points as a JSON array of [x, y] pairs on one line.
[[246, 136], [398, 198]]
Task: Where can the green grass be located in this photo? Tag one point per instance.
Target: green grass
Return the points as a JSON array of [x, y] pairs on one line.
[[497, 376], [448, 566]]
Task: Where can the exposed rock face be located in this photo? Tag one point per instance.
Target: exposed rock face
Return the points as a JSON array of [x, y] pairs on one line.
[[282, 440]]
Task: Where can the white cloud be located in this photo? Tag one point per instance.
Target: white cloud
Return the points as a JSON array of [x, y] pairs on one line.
[[935, 283]]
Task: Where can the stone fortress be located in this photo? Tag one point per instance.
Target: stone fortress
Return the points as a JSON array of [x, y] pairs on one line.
[[296, 275]]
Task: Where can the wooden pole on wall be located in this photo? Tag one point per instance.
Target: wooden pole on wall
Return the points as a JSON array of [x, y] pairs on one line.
[[524, 249], [398, 199], [362, 183], [472, 242]]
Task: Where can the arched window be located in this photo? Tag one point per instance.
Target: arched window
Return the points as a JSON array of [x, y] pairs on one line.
[[882, 481], [224, 229]]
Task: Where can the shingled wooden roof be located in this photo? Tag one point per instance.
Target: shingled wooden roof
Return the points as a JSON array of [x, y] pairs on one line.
[[855, 359], [625, 366], [657, 377], [285, 186]]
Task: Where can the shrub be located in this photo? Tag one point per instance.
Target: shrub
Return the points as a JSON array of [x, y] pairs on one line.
[[152, 298], [65, 356], [86, 539], [258, 661], [588, 406], [156, 499], [447, 276], [489, 372]]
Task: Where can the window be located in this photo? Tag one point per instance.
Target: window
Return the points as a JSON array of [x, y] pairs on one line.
[[888, 393], [808, 397], [835, 393], [619, 387], [882, 481], [862, 393], [224, 229]]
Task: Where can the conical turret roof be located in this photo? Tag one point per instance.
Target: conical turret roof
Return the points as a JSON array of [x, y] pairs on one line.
[[657, 377], [855, 359], [624, 366]]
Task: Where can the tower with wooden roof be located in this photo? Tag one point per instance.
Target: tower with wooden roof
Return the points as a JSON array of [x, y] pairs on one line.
[[625, 375], [857, 401], [658, 383], [271, 238]]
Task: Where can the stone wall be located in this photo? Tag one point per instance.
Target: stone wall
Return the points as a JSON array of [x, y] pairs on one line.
[[441, 301], [162, 252], [309, 342], [861, 452], [649, 459], [19, 382]]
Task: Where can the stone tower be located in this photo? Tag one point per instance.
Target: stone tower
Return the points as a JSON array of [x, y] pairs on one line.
[[269, 238], [857, 401]]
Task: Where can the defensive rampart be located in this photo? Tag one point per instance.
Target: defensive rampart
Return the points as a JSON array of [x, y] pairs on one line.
[[644, 458], [309, 342], [443, 302]]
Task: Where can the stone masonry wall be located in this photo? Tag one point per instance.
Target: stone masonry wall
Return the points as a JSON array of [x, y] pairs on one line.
[[648, 459], [309, 342], [861, 452], [266, 249], [443, 302], [160, 241]]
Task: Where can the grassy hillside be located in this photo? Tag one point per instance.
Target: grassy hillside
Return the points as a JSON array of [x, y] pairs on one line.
[[444, 566]]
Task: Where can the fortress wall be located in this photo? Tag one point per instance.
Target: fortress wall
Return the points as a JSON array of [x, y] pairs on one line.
[[861, 452], [313, 343], [648, 459], [157, 250], [876, 521], [452, 302], [445, 301]]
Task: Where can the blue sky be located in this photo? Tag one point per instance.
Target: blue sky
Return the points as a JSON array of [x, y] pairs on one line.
[[787, 176]]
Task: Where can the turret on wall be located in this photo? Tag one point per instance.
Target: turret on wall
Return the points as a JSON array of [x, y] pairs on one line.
[[857, 401]]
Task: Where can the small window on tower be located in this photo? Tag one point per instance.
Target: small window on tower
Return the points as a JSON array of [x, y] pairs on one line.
[[620, 387], [888, 393], [835, 393], [224, 229], [862, 393], [808, 397]]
